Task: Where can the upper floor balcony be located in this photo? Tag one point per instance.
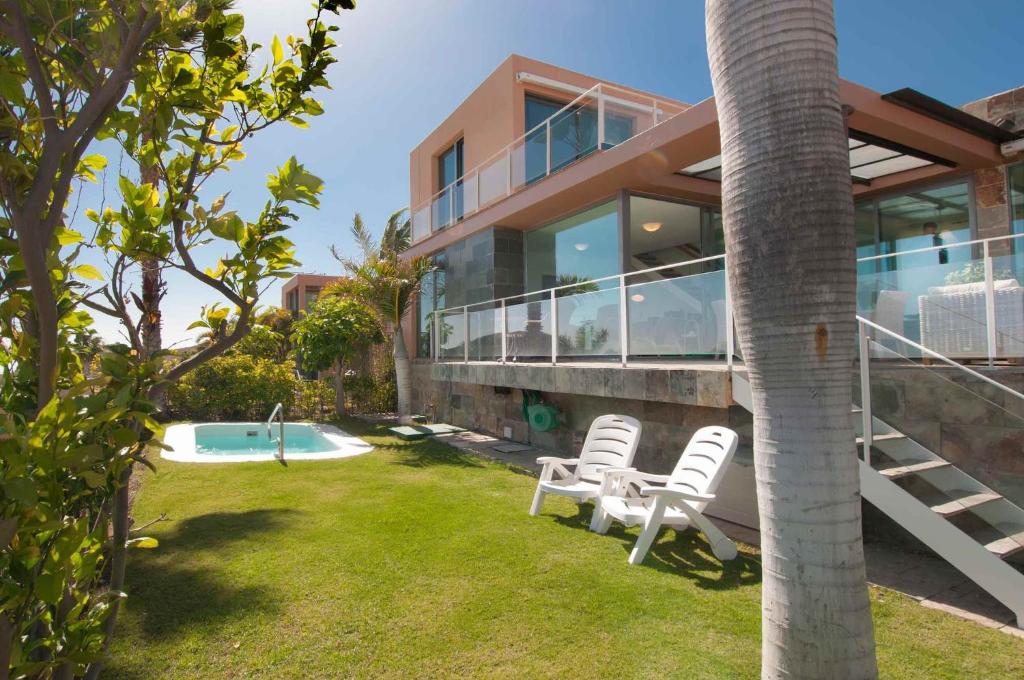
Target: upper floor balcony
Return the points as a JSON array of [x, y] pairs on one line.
[[600, 118]]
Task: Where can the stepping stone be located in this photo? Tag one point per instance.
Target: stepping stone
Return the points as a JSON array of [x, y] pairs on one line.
[[411, 433]]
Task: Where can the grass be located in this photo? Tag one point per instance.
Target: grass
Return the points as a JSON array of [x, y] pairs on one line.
[[417, 560]]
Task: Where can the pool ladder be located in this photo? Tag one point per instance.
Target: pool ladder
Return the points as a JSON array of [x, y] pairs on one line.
[[278, 412]]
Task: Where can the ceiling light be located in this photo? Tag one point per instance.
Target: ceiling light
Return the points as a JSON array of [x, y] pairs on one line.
[[582, 246], [651, 226], [637, 297]]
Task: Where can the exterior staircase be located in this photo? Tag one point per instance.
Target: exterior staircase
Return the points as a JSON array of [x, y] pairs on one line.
[[965, 522]]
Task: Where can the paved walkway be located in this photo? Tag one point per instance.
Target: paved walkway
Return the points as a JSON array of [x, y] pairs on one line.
[[926, 578]]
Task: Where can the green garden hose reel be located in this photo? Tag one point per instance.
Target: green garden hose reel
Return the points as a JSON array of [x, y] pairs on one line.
[[540, 416]]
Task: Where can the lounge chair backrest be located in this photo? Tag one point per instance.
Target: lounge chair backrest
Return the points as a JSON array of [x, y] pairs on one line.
[[611, 442], [704, 461]]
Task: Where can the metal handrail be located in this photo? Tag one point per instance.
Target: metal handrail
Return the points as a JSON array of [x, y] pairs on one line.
[[935, 355], [947, 246], [279, 413], [596, 91]]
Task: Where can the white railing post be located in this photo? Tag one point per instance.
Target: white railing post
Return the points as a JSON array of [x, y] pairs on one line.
[[554, 329], [600, 118], [865, 390], [451, 204], [654, 111], [504, 332], [990, 305], [547, 137], [465, 334], [623, 320]]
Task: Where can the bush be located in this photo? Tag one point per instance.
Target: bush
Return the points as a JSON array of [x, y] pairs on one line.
[[371, 393], [312, 399], [236, 387]]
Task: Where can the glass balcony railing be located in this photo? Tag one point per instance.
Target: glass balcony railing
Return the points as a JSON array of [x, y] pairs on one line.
[[599, 118], [967, 305]]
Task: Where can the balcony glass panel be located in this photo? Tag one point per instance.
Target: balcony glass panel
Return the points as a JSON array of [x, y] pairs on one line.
[[936, 298], [588, 322], [441, 209], [453, 335], [1008, 301], [683, 316], [494, 179], [529, 328], [484, 334]]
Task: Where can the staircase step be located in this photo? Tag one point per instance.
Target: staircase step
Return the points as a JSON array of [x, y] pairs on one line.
[[889, 436], [956, 506], [912, 468], [1007, 545]]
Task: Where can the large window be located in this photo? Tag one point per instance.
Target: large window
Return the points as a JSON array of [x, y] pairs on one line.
[[664, 232], [925, 232], [579, 248], [449, 204], [1016, 184], [573, 134], [431, 299]]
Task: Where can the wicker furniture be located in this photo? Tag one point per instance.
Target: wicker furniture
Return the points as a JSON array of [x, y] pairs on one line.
[[953, 320]]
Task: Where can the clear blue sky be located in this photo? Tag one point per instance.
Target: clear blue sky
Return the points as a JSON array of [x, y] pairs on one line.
[[405, 64]]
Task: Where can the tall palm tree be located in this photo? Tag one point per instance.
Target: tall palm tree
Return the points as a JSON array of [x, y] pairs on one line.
[[388, 284], [788, 212]]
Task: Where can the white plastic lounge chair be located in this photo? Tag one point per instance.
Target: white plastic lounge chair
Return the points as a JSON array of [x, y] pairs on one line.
[[632, 497], [611, 443]]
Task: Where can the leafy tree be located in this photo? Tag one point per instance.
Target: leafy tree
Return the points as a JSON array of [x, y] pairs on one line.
[[334, 329], [388, 284], [785, 167], [174, 82]]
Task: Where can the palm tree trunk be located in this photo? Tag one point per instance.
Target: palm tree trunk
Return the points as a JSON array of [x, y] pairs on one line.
[[339, 387], [403, 375], [788, 213]]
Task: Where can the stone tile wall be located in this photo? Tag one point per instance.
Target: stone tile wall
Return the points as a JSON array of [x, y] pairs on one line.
[[993, 213]]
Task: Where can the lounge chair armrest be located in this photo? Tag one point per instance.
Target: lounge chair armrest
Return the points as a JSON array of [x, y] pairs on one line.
[[676, 495], [617, 481], [547, 460]]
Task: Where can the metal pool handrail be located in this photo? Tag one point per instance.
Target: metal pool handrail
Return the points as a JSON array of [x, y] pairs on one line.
[[279, 413]]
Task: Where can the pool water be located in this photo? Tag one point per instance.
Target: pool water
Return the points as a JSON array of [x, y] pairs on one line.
[[244, 442], [231, 440]]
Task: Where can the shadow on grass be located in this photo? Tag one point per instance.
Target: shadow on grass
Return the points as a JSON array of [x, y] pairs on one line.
[[689, 555], [169, 591], [427, 453]]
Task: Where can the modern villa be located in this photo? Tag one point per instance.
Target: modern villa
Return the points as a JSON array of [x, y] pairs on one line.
[[575, 226]]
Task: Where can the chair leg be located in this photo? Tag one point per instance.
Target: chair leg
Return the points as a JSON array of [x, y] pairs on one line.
[[721, 545], [650, 532], [538, 502], [601, 521]]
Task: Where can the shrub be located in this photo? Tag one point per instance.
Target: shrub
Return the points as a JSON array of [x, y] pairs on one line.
[[236, 387], [312, 398], [371, 393]]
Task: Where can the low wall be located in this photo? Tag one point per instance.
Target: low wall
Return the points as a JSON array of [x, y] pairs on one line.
[[497, 410]]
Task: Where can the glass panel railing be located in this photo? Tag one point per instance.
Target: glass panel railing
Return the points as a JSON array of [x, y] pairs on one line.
[[588, 322], [682, 316], [484, 334], [494, 180], [452, 335], [934, 297], [1008, 305], [529, 328], [574, 132], [468, 189], [951, 411], [441, 209], [421, 223]]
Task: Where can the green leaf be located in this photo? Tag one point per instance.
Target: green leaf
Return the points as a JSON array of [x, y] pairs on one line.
[[87, 271], [20, 489], [67, 237], [144, 542], [275, 49]]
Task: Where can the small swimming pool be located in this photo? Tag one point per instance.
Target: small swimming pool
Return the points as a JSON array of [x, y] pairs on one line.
[[238, 442]]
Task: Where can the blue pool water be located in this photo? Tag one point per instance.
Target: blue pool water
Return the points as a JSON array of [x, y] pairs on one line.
[[234, 439]]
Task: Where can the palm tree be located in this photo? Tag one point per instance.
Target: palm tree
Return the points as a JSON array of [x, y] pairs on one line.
[[788, 212], [388, 284]]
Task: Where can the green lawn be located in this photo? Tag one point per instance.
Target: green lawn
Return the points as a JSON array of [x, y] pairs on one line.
[[419, 561]]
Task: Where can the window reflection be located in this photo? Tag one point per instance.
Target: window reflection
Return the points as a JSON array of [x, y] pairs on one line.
[[579, 248]]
